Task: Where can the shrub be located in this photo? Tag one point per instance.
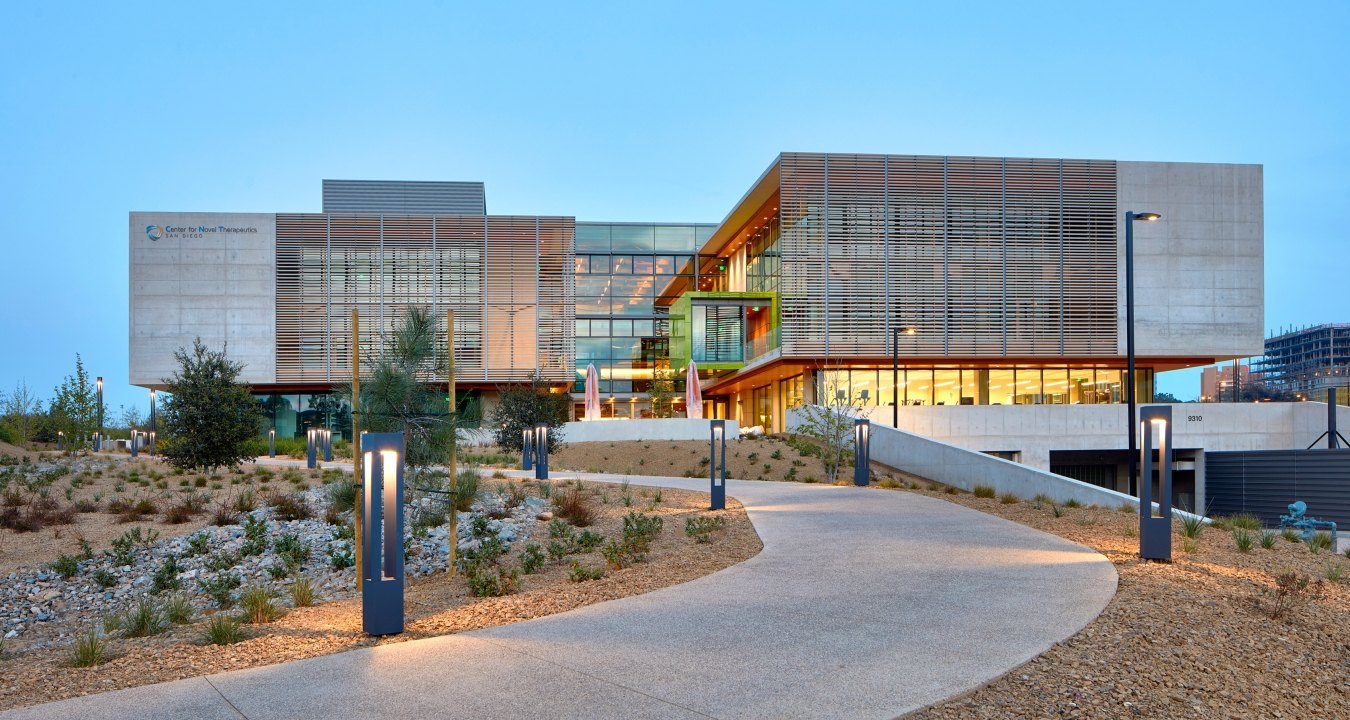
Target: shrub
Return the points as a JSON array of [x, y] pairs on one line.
[[222, 560], [223, 630], [575, 507], [166, 575], [582, 573], [291, 549], [104, 579], [701, 528], [1009, 499], [559, 528], [178, 610], [1318, 541], [588, 540], [889, 483], [340, 557], [531, 559], [89, 650], [290, 507], [197, 544], [1071, 503], [1188, 545], [223, 515], [302, 592], [1334, 572], [255, 536], [256, 606], [245, 502], [342, 493], [1243, 538], [492, 581], [1059, 512], [466, 488], [1291, 535], [1292, 590], [66, 565], [1268, 539], [143, 620], [220, 587], [984, 491], [1245, 521], [1191, 526]]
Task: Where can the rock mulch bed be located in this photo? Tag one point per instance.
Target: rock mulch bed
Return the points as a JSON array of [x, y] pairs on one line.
[[436, 603]]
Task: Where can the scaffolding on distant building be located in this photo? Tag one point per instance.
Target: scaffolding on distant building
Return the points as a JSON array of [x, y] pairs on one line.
[[1307, 361]]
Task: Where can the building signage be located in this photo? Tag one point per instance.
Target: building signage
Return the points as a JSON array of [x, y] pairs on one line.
[[156, 232]]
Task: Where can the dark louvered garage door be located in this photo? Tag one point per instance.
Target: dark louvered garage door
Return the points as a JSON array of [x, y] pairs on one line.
[[1264, 482]]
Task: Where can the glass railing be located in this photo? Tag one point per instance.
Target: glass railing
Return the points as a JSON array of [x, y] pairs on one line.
[[762, 345]]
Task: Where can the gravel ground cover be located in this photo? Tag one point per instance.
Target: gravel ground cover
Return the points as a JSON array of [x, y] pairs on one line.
[[569, 567]]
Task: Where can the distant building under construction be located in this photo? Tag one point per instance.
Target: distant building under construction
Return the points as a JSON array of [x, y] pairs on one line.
[[1306, 362]]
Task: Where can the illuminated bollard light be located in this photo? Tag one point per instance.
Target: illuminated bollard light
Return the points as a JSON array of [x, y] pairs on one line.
[[382, 583], [272, 443], [327, 445], [1155, 533], [862, 452], [717, 462], [311, 448], [541, 451], [527, 449]]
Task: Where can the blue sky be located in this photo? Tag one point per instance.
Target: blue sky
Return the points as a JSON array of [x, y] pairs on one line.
[[624, 111]]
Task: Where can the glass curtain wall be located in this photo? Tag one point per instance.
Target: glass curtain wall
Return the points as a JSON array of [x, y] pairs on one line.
[[620, 270], [983, 386]]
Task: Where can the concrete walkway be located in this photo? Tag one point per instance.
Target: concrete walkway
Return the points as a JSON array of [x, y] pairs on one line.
[[863, 603]]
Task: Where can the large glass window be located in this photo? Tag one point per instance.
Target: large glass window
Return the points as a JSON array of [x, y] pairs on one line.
[[632, 238]]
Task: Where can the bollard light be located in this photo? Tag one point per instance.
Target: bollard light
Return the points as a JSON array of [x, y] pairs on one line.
[[717, 464], [862, 452], [527, 449], [311, 448], [1155, 534], [381, 550], [272, 443], [60, 440], [327, 444], [98, 439], [152, 423], [135, 443], [152, 443], [541, 451]]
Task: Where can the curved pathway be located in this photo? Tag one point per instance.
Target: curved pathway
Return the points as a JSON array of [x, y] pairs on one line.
[[863, 603]]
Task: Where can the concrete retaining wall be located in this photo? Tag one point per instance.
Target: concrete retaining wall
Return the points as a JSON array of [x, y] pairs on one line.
[[961, 468], [666, 429]]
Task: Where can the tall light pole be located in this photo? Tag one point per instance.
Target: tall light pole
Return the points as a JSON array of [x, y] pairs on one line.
[[895, 372], [98, 443], [1130, 217]]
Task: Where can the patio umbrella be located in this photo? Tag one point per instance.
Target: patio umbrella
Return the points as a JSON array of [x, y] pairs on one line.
[[592, 393], [693, 394]]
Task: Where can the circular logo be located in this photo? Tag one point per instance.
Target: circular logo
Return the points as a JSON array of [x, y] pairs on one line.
[[154, 232]]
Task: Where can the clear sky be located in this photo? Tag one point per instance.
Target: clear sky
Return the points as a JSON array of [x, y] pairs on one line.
[[624, 111]]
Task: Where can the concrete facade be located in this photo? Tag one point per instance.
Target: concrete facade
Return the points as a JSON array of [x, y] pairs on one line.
[[1199, 272], [206, 275]]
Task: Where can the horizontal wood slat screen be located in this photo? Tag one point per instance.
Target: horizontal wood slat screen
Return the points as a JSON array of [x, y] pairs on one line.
[[513, 309], [980, 256]]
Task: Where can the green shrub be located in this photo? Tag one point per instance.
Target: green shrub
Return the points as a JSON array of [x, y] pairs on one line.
[[220, 588], [1009, 499], [559, 528], [1244, 521], [1071, 503], [1268, 539], [1318, 541], [702, 527], [342, 493], [1188, 545], [302, 592], [588, 540], [1191, 526], [531, 559], [290, 549], [1059, 512], [340, 557], [1291, 535], [245, 502], [1243, 538], [1334, 572], [492, 581], [289, 506], [466, 488], [197, 544], [104, 578], [89, 650], [984, 491], [582, 573], [166, 575], [143, 620], [574, 506], [66, 565], [178, 610], [255, 536], [256, 606], [223, 630]]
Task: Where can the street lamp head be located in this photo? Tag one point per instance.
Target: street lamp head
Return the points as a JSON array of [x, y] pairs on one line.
[[907, 330], [1147, 216]]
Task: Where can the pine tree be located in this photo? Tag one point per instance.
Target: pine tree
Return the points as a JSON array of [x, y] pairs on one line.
[[208, 417], [74, 407]]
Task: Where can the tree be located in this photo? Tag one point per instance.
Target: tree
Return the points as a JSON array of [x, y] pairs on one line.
[[403, 393], [1165, 397], [662, 393], [129, 418], [522, 407], [208, 417], [830, 424], [20, 408], [74, 407]]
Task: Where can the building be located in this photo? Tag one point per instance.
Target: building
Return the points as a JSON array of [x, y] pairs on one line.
[[1307, 363], [1216, 383], [913, 287]]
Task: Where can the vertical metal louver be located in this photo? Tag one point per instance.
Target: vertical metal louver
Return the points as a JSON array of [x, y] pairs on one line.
[[981, 256], [513, 307]]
